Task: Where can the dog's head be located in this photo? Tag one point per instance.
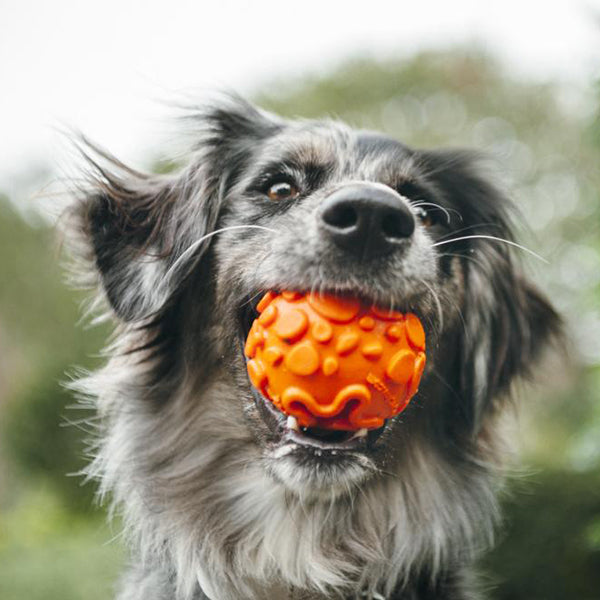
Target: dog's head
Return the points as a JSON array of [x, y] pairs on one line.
[[271, 204]]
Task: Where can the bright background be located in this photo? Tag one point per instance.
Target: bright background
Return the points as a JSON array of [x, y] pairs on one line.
[[103, 66], [516, 79]]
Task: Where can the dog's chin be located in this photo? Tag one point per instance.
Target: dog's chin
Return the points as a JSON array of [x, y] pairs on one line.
[[324, 477], [310, 462]]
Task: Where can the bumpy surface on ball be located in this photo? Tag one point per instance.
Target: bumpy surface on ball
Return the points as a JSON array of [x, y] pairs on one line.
[[334, 363]]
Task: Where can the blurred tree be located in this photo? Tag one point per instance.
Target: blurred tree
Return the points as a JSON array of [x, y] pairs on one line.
[[38, 323], [550, 546], [46, 442]]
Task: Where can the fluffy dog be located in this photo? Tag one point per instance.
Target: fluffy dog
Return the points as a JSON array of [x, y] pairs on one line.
[[218, 498]]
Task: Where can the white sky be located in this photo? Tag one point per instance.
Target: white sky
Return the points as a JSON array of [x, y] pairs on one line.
[[101, 66]]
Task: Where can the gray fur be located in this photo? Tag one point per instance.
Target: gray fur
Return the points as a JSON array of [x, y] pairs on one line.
[[213, 506]]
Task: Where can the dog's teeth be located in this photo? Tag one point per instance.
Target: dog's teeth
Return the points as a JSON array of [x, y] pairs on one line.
[[292, 423], [361, 433]]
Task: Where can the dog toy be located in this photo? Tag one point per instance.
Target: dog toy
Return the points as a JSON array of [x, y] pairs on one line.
[[334, 363]]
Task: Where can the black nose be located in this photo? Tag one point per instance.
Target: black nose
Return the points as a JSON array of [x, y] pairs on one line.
[[366, 220]]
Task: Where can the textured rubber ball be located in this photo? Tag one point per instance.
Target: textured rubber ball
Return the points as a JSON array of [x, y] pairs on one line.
[[334, 363]]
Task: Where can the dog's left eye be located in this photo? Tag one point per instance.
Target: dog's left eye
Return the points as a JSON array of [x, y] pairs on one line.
[[282, 190], [425, 217]]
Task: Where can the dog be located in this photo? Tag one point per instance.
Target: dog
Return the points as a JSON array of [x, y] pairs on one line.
[[219, 498]]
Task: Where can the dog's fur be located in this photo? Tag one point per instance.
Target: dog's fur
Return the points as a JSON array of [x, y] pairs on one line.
[[214, 501]]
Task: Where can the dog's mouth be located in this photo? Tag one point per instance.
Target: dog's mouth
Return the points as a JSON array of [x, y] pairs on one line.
[[285, 429]]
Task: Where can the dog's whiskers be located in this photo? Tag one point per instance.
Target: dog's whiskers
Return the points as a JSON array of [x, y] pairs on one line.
[[195, 245], [446, 211], [495, 239], [443, 381], [469, 258], [462, 229], [252, 298], [438, 303]]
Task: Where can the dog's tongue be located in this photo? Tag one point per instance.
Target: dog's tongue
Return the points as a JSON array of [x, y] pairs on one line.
[[334, 363]]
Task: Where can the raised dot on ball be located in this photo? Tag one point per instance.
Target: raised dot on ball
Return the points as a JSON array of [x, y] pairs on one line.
[[291, 325], [346, 343], [303, 359]]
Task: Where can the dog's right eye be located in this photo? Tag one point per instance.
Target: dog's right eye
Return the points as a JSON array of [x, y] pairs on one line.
[[282, 190]]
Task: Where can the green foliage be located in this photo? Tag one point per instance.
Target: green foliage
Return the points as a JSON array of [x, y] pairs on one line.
[[52, 545], [39, 316], [39, 319], [43, 434], [49, 553], [551, 544]]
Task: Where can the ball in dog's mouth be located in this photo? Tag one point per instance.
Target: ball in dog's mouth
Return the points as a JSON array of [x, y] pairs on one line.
[[335, 366]]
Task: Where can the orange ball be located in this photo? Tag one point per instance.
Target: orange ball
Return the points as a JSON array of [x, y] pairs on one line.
[[332, 362]]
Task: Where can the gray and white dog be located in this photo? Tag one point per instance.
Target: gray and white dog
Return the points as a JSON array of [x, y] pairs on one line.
[[220, 498]]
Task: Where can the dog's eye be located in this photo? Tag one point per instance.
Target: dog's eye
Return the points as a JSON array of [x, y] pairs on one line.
[[282, 190], [426, 218]]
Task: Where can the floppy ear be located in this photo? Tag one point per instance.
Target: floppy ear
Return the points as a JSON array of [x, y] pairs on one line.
[[507, 321], [133, 230], [144, 233], [508, 325]]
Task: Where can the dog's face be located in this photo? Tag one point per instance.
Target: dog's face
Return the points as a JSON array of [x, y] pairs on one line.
[[335, 211], [268, 204]]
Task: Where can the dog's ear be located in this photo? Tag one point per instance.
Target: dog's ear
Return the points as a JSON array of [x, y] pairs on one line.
[[507, 321], [508, 325], [143, 233]]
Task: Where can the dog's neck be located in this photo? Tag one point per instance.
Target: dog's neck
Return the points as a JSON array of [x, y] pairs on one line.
[[373, 539]]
